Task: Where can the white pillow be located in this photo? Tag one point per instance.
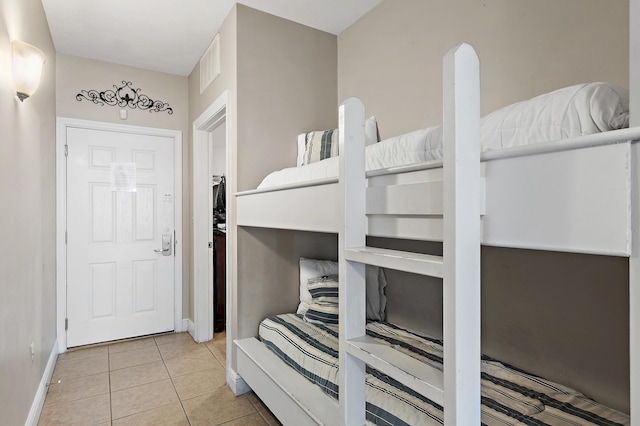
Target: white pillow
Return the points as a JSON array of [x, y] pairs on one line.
[[376, 282], [371, 135], [306, 150], [569, 112]]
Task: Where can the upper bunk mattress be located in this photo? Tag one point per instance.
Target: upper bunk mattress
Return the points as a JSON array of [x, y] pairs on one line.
[[509, 397], [565, 113]]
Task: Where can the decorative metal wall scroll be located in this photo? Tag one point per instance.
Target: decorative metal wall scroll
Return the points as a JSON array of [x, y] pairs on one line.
[[122, 96]]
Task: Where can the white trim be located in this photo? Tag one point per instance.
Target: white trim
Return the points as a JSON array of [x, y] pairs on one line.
[[634, 294], [236, 383], [634, 63], [184, 326], [41, 393], [190, 327], [62, 123], [212, 117], [634, 261], [61, 226]]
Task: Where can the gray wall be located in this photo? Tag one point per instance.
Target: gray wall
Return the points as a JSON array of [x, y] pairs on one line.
[[227, 78], [27, 216], [269, 277], [563, 316], [286, 85], [76, 74], [559, 315], [198, 103], [392, 57], [281, 79], [287, 79]]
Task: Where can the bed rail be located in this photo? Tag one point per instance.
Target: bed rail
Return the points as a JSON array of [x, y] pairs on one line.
[[458, 387]]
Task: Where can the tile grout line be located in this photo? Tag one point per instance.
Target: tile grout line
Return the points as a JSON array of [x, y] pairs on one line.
[[155, 344], [61, 362], [174, 387], [110, 395], [256, 408]]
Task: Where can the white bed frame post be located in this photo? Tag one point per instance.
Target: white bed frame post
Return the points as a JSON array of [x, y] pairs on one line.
[[634, 260], [634, 63], [352, 275], [461, 249], [634, 289]]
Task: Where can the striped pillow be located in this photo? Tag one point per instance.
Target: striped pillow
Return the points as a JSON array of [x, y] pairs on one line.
[[320, 145], [322, 314], [324, 290], [324, 309], [371, 136]]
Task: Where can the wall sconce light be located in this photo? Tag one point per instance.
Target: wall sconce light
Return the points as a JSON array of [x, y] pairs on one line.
[[27, 63]]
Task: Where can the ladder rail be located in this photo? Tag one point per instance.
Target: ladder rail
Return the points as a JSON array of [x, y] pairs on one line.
[[461, 245], [352, 296], [459, 266]]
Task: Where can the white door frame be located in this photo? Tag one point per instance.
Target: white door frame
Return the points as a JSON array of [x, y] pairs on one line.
[[61, 213], [202, 253]]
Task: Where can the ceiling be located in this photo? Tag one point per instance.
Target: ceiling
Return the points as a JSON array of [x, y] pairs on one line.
[[171, 35]]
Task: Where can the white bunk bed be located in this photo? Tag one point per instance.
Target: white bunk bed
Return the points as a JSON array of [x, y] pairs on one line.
[[578, 195], [517, 191], [397, 208]]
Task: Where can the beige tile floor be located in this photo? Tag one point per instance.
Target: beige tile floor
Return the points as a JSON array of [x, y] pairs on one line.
[[162, 380]]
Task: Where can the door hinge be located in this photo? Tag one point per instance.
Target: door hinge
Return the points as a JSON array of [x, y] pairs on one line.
[[66, 150], [66, 237], [210, 245], [66, 324]]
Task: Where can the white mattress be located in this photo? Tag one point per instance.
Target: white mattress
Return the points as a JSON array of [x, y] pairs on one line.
[[565, 113]]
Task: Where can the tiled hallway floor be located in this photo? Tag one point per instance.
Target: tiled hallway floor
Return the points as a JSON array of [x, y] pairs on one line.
[[163, 380]]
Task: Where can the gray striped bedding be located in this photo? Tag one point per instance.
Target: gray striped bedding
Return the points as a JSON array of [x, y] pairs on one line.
[[509, 397]]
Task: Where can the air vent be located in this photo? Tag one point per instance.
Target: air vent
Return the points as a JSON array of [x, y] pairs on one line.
[[210, 64]]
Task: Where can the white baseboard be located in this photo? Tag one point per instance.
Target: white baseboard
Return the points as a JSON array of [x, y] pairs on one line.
[[184, 326], [41, 393], [191, 328], [236, 383]]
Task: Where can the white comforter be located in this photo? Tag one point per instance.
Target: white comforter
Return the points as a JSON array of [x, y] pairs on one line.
[[565, 113]]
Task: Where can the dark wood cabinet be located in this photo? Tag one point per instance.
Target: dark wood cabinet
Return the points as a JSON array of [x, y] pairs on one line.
[[219, 280]]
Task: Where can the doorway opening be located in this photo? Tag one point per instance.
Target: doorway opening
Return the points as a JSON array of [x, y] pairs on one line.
[[210, 165]]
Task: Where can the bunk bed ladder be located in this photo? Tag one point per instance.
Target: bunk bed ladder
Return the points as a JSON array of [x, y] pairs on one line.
[[458, 388]]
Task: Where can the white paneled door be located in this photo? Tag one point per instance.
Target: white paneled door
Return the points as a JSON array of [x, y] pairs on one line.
[[120, 244]]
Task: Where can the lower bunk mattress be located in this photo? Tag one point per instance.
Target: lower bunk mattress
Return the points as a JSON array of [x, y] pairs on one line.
[[509, 396]]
